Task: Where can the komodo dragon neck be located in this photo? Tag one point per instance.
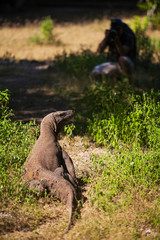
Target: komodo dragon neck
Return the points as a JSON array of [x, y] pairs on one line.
[[48, 127], [47, 132]]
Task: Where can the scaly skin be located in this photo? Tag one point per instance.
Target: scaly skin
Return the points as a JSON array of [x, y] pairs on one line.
[[48, 166]]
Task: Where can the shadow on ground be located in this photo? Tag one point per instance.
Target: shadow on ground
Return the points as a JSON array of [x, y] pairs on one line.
[[31, 95]]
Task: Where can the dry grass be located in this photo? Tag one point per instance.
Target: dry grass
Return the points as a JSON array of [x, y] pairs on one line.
[[48, 220], [71, 38]]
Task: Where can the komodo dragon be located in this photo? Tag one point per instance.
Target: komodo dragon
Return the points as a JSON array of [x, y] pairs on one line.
[[48, 166]]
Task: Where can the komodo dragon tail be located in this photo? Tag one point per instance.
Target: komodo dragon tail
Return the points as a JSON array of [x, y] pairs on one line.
[[71, 204], [70, 209], [67, 194], [65, 191]]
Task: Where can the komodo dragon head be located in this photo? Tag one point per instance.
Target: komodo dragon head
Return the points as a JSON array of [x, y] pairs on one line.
[[57, 120]]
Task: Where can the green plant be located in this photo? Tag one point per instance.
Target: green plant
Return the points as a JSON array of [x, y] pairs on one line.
[[47, 27], [76, 68], [69, 130], [35, 39], [79, 64], [16, 140], [152, 7], [121, 175], [145, 48], [4, 100], [155, 20], [149, 5], [117, 114]]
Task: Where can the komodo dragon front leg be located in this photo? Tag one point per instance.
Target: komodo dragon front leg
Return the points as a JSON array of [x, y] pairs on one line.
[[68, 166]]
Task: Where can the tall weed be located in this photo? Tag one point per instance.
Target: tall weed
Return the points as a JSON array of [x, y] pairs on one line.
[[79, 64], [152, 7], [16, 140], [147, 48], [119, 115], [47, 27]]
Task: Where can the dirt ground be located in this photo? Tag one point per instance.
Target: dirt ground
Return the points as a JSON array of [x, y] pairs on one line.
[[29, 99]]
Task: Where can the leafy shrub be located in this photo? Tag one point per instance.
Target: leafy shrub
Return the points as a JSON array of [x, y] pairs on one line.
[[47, 27], [16, 140], [79, 64], [155, 20], [35, 39], [68, 129], [152, 7], [156, 44], [4, 109], [145, 48]]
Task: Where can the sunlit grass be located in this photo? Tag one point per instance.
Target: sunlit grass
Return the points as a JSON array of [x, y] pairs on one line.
[[71, 36]]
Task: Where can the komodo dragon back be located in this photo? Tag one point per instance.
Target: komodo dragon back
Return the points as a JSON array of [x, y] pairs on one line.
[[46, 151]]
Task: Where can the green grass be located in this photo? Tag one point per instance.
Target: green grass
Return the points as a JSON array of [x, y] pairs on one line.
[[16, 140], [127, 121], [79, 64], [122, 171], [126, 181], [120, 115]]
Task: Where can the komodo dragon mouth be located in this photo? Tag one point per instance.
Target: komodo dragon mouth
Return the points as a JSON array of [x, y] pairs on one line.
[[63, 117]]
